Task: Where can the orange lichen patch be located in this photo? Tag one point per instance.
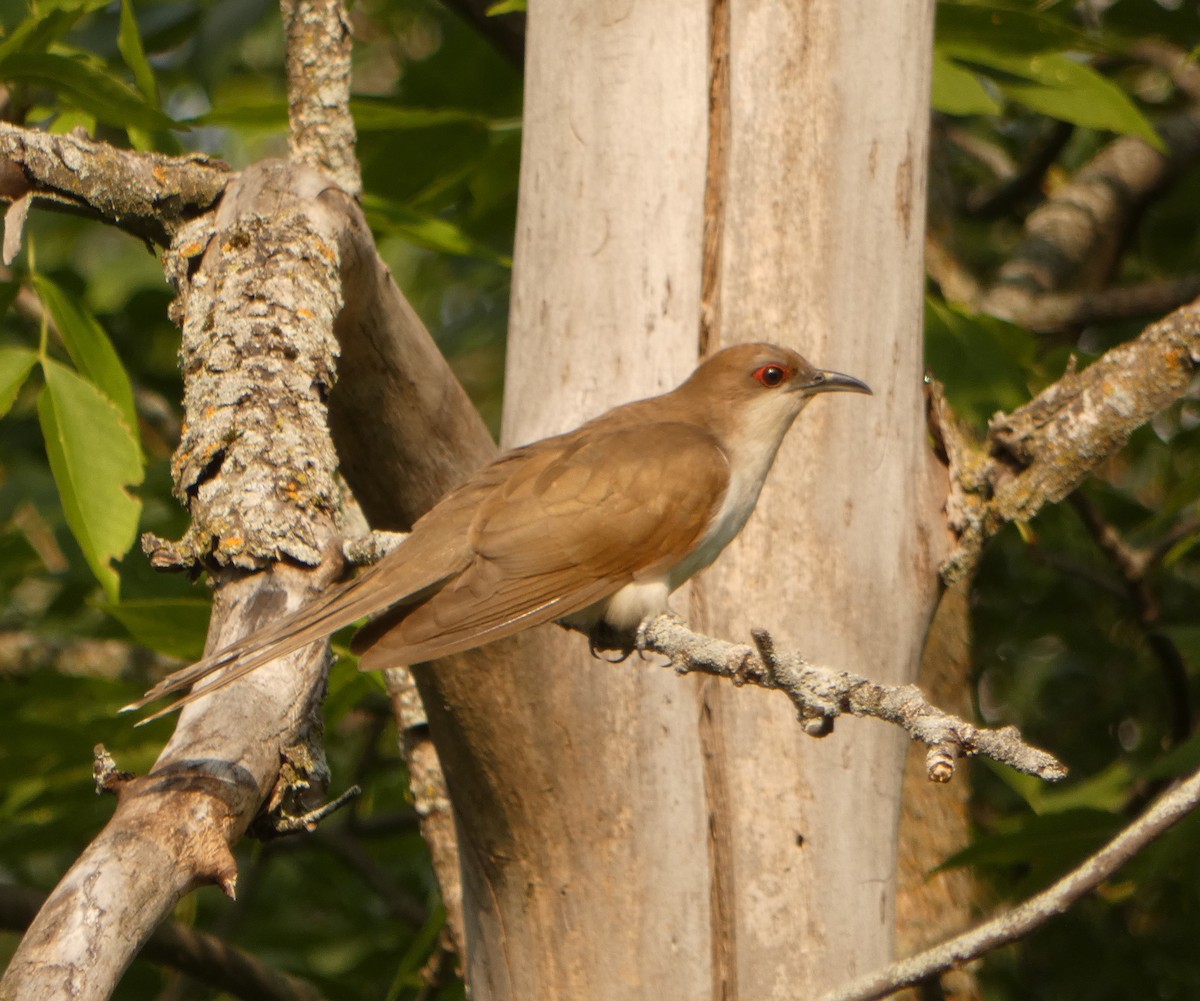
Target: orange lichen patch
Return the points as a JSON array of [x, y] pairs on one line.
[[193, 249], [325, 249], [1179, 358], [160, 174], [233, 542], [305, 314]]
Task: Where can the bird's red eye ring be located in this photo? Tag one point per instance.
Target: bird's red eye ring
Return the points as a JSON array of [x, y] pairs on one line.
[[771, 375]]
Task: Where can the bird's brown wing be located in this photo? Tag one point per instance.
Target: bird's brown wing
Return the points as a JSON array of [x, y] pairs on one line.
[[421, 563], [579, 518]]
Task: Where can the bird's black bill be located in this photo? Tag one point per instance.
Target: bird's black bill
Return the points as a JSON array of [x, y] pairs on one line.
[[836, 382]]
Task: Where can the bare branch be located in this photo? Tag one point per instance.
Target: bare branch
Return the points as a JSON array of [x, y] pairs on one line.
[[318, 69], [201, 956], [1072, 239], [1042, 451], [820, 695], [147, 194], [431, 797], [1054, 312], [23, 652], [1166, 811]]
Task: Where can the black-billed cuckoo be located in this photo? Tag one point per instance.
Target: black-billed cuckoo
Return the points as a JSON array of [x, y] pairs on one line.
[[592, 529]]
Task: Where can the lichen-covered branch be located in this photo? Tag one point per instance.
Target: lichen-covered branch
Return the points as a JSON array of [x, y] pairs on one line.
[[820, 695], [322, 132], [1042, 451], [147, 194], [1164, 813], [258, 357], [250, 329]]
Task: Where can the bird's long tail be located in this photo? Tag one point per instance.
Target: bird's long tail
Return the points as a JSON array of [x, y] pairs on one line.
[[337, 607]]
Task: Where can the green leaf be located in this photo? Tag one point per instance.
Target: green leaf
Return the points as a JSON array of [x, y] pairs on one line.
[[176, 627], [270, 113], [1049, 843], [958, 91], [89, 347], [15, 366], [1009, 29], [427, 231], [94, 459], [129, 41], [87, 87], [982, 361], [507, 7], [1056, 85], [39, 31], [381, 115]]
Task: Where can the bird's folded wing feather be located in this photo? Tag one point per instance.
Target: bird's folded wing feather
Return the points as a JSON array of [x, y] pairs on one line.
[[421, 562], [541, 533], [575, 522]]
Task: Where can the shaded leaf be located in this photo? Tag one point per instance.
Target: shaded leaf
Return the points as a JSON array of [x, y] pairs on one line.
[[89, 347], [41, 30], [176, 627], [15, 366], [427, 230], [1185, 758], [982, 361], [129, 41], [267, 113], [1010, 29], [1048, 844], [375, 115], [93, 458], [87, 87], [507, 7]]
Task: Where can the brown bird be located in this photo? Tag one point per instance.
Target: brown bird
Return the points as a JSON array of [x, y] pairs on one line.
[[592, 529]]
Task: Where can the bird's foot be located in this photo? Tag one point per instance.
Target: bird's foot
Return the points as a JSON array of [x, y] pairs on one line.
[[610, 645]]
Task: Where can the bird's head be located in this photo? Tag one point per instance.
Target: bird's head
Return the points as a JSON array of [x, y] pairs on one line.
[[758, 389]]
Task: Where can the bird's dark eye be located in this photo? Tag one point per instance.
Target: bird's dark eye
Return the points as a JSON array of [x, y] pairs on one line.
[[771, 375]]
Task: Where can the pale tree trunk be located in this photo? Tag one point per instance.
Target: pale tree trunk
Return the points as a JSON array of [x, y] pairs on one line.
[[697, 174]]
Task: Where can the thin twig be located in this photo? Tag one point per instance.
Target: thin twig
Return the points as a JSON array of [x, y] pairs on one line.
[[821, 695], [1166, 811], [1131, 564]]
